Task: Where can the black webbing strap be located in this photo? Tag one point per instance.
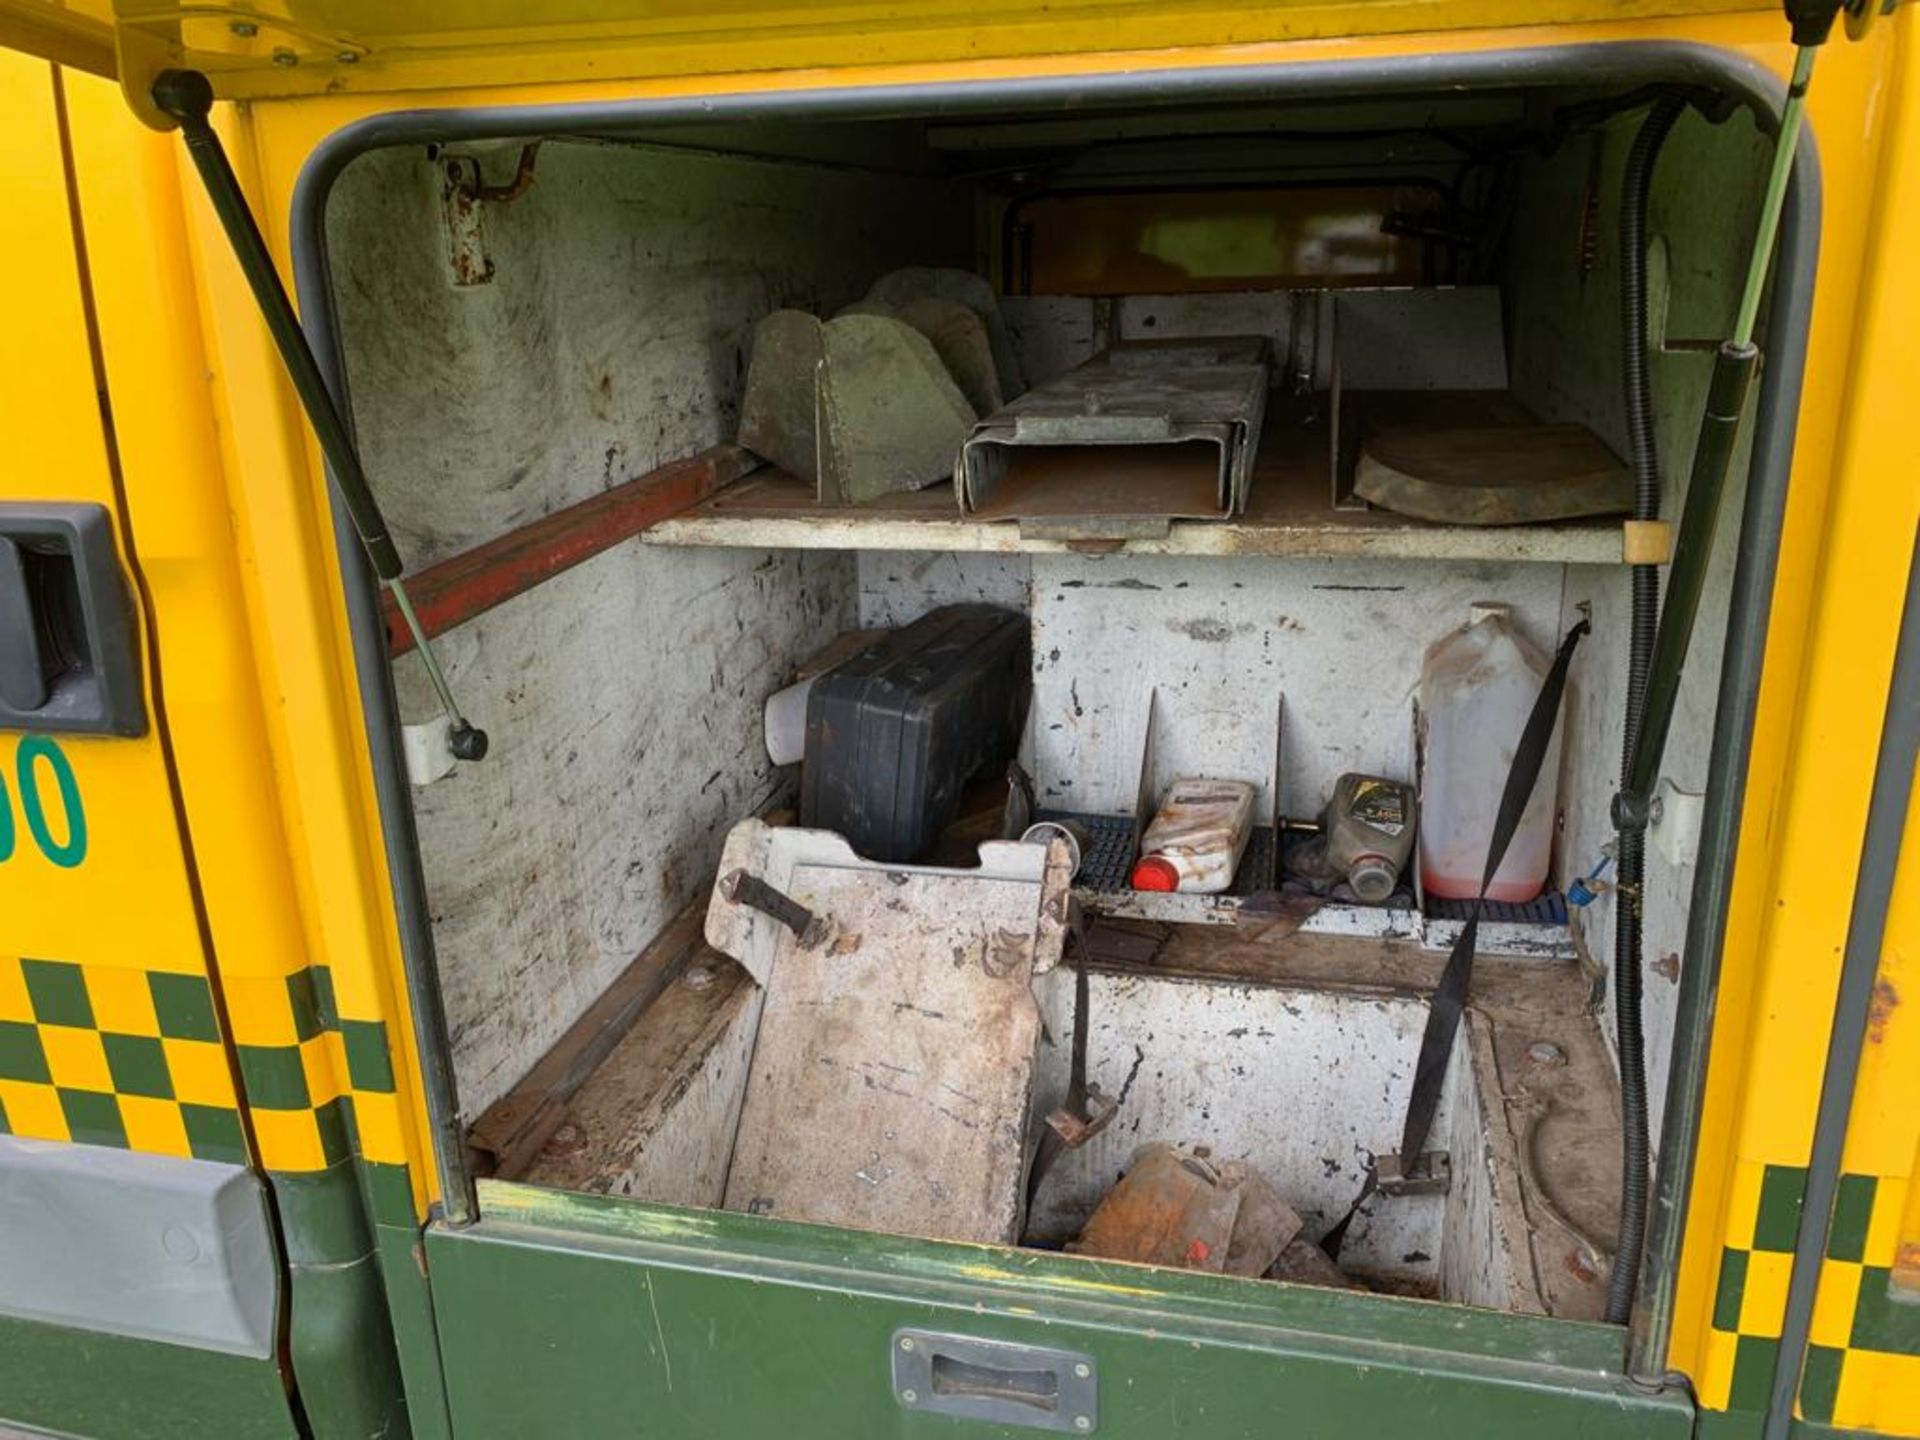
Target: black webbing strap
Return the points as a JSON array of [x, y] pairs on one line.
[[1450, 995], [1051, 1143]]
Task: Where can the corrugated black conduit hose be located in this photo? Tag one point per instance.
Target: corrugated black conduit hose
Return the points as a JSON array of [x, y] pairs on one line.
[[1630, 857]]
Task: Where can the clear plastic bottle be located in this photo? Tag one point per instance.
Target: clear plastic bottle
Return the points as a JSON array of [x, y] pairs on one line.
[[1477, 687]]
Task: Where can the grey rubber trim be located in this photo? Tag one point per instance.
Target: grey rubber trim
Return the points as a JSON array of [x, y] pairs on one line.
[[151, 1246], [1589, 66], [1785, 360], [1859, 972], [380, 707]]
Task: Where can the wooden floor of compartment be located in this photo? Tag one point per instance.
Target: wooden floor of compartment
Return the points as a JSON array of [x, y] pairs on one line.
[[1563, 1116]]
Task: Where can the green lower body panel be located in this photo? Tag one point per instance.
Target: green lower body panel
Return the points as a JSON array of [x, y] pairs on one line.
[[80, 1382], [581, 1315]]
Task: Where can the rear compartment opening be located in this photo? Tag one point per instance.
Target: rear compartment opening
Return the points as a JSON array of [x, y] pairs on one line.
[[547, 382]]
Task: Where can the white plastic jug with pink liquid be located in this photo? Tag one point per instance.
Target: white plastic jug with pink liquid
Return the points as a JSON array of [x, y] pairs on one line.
[[1477, 686]]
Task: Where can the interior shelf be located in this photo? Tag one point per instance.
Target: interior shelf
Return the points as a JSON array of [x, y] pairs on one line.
[[1288, 513]]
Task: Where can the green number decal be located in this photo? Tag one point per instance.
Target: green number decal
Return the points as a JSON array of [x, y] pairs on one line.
[[74, 850], [6, 822]]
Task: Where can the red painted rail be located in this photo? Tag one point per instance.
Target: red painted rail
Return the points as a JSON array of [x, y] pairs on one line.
[[457, 589]]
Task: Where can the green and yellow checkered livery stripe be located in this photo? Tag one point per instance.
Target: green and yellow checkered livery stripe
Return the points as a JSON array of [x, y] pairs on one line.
[[1750, 1299], [319, 1085], [115, 1055], [1866, 1322], [128, 1057], [1865, 1340]]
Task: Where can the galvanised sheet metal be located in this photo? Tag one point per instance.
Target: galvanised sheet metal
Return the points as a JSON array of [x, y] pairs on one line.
[[1147, 430]]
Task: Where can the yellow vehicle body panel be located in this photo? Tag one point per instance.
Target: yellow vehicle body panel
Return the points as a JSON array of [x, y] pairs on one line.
[[139, 900], [102, 967], [236, 545], [1860, 1350]]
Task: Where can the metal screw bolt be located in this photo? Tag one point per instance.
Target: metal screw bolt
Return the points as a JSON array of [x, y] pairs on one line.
[[285, 58], [245, 29], [906, 1342], [1082, 1370], [1546, 1053], [911, 1397], [1083, 1422], [699, 978], [348, 57]]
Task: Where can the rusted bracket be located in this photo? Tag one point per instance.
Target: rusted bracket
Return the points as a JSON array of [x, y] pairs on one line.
[[740, 888], [503, 194], [463, 195], [1076, 1128], [1086, 1111]]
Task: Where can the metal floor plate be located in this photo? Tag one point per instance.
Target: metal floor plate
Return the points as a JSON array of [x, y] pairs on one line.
[[1107, 866]]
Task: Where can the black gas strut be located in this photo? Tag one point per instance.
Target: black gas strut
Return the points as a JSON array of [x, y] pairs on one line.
[[187, 96], [1733, 370]]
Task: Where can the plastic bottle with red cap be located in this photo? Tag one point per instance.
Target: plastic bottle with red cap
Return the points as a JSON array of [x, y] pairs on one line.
[[1197, 837]]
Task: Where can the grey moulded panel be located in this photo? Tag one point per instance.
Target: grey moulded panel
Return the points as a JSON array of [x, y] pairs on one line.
[[861, 405], [69, 639], [154, 1247]]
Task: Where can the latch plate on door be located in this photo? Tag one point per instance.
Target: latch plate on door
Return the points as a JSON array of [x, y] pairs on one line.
[[69, 657], [998, 1381]]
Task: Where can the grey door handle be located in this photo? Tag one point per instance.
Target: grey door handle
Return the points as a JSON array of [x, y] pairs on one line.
[[996, 1381]]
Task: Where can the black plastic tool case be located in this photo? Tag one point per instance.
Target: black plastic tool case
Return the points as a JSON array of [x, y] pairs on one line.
[[895, 735]]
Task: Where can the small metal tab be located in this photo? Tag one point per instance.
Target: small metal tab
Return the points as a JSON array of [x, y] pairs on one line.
[[1430, 1174], [1075, 1129], [428, 749], [1674, 825]]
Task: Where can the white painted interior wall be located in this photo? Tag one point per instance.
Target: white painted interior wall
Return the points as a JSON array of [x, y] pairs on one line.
[[1211, 633], [622, 697], [1269, 1076], [1219, 642], [1565, 349]]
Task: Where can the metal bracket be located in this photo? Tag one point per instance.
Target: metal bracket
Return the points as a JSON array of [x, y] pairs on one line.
[[1674, 822], [1076, 1130], [429, 750], [462, 195], [1430, 1174]]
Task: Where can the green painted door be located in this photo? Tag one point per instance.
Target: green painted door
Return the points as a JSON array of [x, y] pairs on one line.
[[577, 1315]]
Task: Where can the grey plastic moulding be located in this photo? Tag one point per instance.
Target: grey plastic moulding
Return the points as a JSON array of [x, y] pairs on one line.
[[150, 1246], [69, 655]]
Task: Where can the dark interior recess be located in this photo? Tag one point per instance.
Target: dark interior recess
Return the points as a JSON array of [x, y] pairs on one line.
[[1450, 252]]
